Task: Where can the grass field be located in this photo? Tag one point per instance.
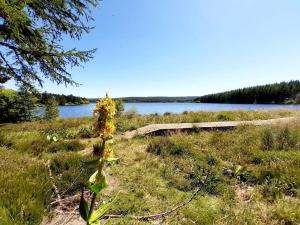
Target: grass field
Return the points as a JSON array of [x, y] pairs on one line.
[[249, 175]]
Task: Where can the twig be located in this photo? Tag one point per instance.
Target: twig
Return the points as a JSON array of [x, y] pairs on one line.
[[59, 199], [158, 215]]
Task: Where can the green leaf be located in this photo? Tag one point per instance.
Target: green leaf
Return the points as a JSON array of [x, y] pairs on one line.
[[83, 208], [98, 182], [101, 211]]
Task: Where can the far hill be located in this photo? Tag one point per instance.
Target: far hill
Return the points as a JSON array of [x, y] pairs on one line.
[[278, 93]]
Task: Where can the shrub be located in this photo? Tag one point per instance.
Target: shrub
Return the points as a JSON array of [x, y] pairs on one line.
[[169, 146], [70, 134], [70, 168], [297, 100], [4, 141], [285, 139], [85, 132], [272, 189], [51, 110], [67, 146], [267, 139], [131, 113], [244, 176], [206, 179], [17, 106], [223, 117], [119, 107], [30, 142]]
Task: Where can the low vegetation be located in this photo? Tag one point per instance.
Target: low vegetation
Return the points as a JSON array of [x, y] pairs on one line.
[[247, 175]]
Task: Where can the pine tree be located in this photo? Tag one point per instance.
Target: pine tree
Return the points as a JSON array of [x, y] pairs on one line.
[[297, 100], [26, 104], [31, 33], [17, 106], [51, 110]]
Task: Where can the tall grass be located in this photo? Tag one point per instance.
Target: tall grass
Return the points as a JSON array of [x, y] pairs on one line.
[[246, 175], [25, 189]]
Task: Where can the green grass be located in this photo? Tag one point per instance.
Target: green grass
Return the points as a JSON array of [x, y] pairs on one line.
[[249, 175], [25, 189]]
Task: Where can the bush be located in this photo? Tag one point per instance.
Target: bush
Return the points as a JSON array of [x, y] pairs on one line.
[[205, 179], [131, 113], [16, 106], [267, 139], [223, 117], [4, 141], [70, 168], [51, 110], [167, 114], [274, 188], [285, 139], [67, 146], [297, 100], [29, 142], [119, 106], [169, 146], [85, 132]]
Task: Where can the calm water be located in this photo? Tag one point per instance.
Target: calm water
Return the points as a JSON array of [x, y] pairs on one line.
[[161, 108]]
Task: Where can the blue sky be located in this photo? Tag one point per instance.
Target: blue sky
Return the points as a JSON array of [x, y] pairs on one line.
[[187, 48]]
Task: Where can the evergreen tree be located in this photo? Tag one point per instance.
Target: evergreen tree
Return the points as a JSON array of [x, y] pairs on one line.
[[17, 106], [26, 104], [297, 99], [119, 106], [31, 33], [51, 110], [272, 93]]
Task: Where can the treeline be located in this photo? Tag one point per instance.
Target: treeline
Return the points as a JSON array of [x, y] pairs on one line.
[[152, 99], [24, 104], [62, 99], [278, 93]]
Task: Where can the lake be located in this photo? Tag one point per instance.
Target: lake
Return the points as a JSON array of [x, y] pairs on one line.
[[161, 108]]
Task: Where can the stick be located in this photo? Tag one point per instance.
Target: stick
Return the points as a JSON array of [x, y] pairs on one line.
[[59, 199]]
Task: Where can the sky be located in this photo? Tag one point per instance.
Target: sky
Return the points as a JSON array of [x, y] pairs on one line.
[[186, 48]]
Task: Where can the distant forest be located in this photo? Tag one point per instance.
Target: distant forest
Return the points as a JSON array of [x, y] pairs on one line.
[[62, 99], [153, 99], [284, 92]]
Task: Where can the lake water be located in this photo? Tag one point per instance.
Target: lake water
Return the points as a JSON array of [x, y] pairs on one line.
[[161, 108]]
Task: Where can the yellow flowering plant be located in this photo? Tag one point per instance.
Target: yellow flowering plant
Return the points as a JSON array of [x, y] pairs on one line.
[[105, 111]]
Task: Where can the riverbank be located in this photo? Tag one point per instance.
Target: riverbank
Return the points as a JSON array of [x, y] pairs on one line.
[[245, 174]]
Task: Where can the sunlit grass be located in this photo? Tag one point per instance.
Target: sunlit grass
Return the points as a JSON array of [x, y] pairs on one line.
[[242, 177]]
